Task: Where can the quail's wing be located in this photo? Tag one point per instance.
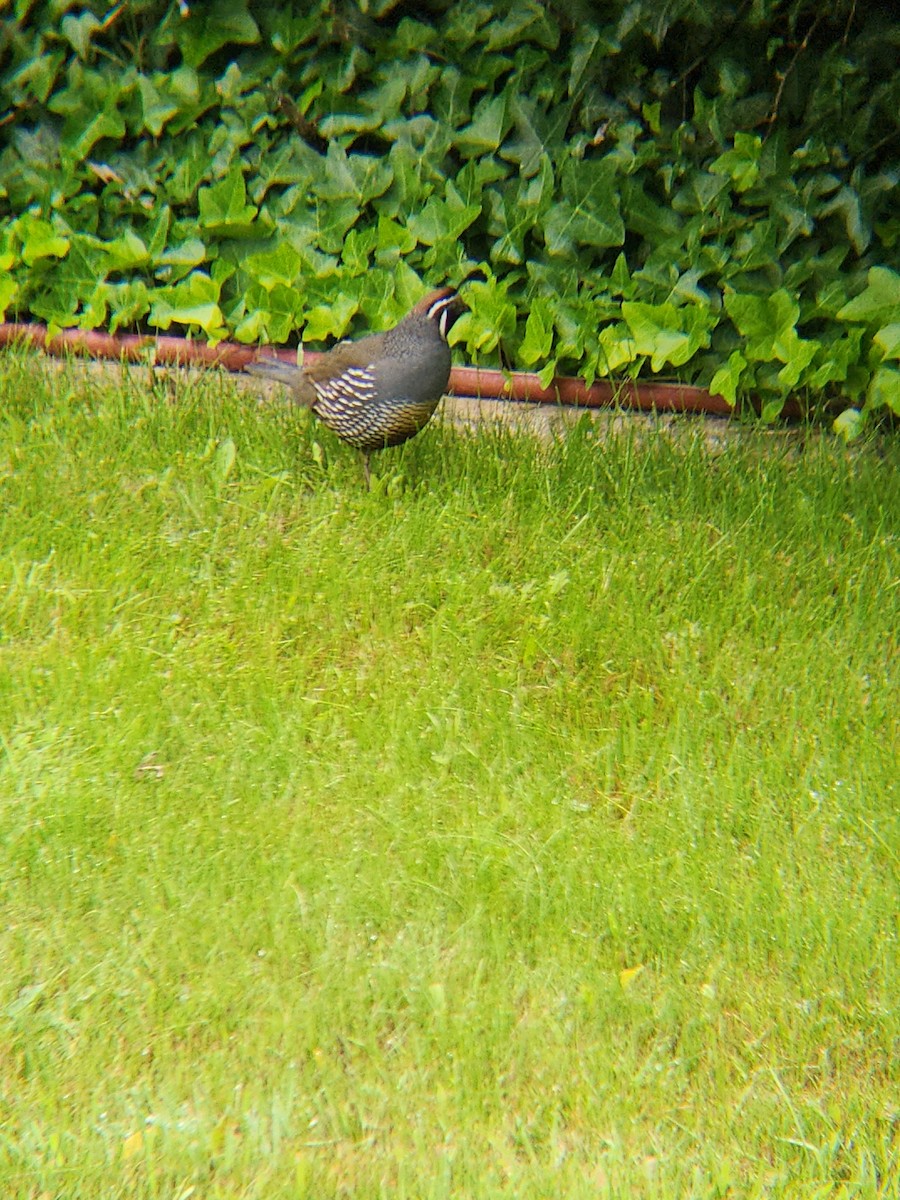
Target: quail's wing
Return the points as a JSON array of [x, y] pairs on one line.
[[361, 355], [346, 375]]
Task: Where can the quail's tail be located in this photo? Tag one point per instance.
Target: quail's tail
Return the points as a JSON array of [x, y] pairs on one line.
[[274, 368]]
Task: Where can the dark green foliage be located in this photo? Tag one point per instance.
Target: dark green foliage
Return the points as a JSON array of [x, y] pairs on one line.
[[692, 189]]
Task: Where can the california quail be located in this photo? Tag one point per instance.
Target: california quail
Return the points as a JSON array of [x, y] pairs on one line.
[[382, 389]]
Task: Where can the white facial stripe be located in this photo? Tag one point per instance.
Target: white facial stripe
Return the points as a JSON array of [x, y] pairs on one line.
[[440, 312]]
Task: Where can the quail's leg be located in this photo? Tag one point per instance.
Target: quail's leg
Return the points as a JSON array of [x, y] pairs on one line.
[[366, 472]]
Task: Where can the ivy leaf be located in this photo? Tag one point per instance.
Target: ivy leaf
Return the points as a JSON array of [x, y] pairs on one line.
[[888, 339], [620, 281], [836, 357], [588, 214], [879, 302], [700, 193], [156, 110], [333, 222], [849, 424], [193, 301], [79, 30], [442, 220], [491, 316], [40, 239], [486, 130], [771, 410], [188, 171], [127, 252], [536, 193], [65, 286], [767, 322], [617, 348], [129, 303], [273, 313], [203, 31], [180, 259], [538, 340], [587, 40], [884, 390], [740, 164], [651, 114], [392, 241], [530, 144], [57, 304], [8, 256], [249, 328], [726, 380], [570, 328], [157, 232], [706, 113], [281, 265], [356, 251], [510, 223], [357, 177], [94, 312], [8, 291], [224, 210], [800, 353], [327, 321], [666, 333], [847, 203], [35, 78], [529, 16], [646, 216], [303, 233], [477, 175], [90, 103]]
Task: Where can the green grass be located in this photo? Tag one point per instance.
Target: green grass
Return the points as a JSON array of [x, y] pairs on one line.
[[526, 827]]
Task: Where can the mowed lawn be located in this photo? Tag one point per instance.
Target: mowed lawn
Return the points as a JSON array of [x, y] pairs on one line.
[[527, 826]]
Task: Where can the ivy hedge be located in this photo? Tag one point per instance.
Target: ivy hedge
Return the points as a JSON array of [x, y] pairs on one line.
[[702, 191]]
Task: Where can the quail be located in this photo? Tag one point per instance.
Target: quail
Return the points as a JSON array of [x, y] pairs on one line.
[[381, 390]]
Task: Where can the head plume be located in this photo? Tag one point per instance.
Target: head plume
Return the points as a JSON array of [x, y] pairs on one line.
[[443, 306]]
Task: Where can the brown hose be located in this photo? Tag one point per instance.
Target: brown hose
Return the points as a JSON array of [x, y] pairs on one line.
[[477, 382]]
